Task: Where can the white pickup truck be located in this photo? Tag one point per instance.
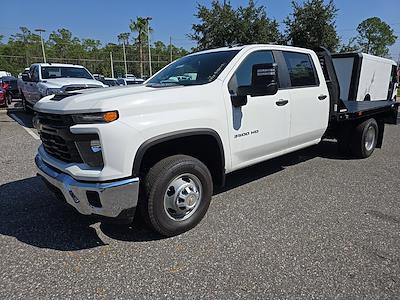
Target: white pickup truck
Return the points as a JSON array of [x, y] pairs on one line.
[[161, 147], [49, 79]]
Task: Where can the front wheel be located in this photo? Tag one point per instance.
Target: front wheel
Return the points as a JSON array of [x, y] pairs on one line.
[[177, 194], [8, 99], [25, 107]]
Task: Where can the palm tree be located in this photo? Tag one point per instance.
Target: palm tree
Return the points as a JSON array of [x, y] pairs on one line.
[[140, 26], [124, 38]]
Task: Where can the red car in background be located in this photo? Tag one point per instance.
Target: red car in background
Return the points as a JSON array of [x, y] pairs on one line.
[[5, 98]]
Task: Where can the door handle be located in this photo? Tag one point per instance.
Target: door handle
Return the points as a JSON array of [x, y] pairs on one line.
[[322, 97], [282, 102]]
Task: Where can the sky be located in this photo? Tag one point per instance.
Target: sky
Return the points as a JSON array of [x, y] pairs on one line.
[[104, 20]]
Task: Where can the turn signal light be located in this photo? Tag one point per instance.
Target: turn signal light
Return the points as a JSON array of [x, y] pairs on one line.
[[110, 116]]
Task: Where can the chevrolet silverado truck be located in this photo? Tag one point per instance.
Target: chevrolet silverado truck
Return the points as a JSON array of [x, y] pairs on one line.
[[49, 79], [160, 148]]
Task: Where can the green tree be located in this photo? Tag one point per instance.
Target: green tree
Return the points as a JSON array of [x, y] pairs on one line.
[[222, 25], [64, 45], [255, 26], [349, 47], [24, 48], [27, 43], [140, 27], [312, 24], [375, 36]]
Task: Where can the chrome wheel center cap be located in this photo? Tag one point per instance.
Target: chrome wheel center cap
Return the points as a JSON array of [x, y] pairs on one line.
[[191, 200]]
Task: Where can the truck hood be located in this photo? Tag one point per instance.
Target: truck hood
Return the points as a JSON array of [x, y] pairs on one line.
[[112, 98], [61, 82]]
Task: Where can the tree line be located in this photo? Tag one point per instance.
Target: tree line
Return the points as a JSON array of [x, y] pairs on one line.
[[24, 48], [310, 24]]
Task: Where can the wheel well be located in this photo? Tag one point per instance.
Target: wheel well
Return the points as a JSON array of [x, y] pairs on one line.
[[345, 130], [205, 147]]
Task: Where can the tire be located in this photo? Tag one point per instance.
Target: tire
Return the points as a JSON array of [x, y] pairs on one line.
[[167, 182], [25, 107], [8, 99], [365, 138]]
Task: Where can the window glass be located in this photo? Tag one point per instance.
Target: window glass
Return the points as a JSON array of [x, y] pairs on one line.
[[35, 73], [65, 72], [242, 76], [394, 74], [194, 69], [301, 69]]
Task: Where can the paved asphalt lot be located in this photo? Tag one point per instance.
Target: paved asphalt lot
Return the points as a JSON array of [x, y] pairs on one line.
[[308, 225]]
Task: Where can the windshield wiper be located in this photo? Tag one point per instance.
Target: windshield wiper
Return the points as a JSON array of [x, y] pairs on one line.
[[164, 84]]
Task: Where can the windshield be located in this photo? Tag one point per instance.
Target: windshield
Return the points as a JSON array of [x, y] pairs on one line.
[[194, 69], [110, 82], [65, 72]]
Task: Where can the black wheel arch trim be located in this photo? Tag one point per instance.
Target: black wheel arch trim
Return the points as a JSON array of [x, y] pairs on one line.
[[175, 135]]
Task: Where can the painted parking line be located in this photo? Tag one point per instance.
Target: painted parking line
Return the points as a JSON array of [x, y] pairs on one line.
[[28, 130]]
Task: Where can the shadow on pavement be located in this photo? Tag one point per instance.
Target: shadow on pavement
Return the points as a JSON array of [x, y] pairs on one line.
[[33, 215], [21, 117], [326, 149]]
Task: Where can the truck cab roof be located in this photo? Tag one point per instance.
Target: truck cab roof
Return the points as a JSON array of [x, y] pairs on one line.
[[255, 46], [58, 65]]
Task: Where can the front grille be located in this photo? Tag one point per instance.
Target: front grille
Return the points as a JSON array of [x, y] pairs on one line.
[[77, 88], [56, 137]]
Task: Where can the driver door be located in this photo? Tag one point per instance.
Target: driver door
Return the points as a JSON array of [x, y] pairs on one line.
[[259, 129]]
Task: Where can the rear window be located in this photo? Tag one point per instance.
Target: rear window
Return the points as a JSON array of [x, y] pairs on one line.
[[301, 69]]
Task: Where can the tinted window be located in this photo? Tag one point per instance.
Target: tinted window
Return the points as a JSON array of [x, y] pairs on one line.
[[242, 76], [35, 73], [64, 72], [110, 82], [194, 69], [301, 69]]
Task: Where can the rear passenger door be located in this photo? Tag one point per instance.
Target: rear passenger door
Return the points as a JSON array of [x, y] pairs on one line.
[[309, 99]]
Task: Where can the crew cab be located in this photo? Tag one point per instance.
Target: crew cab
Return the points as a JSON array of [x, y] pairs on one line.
[[160, 148], [50, 79]]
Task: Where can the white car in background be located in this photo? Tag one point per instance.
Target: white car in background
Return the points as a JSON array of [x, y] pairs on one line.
[[129, 81], [4, 73], [54, 79]]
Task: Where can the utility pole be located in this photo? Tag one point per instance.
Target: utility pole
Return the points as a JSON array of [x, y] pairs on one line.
[[112, 65], [170, 48], [126, 67], [41, 38], [148, 40]]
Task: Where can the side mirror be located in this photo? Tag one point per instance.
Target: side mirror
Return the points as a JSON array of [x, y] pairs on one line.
[[25, 77], [264, 80]]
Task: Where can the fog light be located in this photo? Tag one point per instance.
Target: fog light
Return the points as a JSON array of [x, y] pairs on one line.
[[95, 146]]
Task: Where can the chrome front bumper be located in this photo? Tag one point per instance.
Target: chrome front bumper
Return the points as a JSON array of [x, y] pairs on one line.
[[108, 199]]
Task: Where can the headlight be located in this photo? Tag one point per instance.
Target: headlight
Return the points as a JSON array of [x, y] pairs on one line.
[[104, 117], [53, 91]]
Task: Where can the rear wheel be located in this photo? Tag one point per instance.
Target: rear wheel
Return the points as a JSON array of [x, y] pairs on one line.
[[365, 138], [177, 194]]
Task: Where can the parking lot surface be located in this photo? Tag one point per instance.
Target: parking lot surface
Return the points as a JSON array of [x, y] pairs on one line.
[[311, 224]]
